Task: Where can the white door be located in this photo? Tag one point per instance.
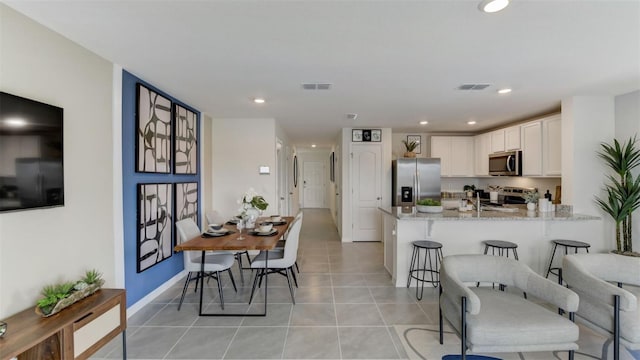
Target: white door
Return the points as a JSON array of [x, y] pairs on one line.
[[366, 176], [281, 170], [314, 178]]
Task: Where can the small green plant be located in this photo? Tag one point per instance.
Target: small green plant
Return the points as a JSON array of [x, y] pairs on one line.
[[531, 197], [71, 291], [428, 202], [469, 188], [54, 293], [91, 276], [410, 145]]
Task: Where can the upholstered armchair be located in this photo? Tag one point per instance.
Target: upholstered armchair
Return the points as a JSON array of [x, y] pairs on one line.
[[604, 304], [493, 321]]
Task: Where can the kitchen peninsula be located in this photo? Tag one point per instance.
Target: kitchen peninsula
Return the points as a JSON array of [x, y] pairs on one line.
[[463, 233]]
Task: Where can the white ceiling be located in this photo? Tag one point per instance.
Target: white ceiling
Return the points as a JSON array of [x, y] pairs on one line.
[[394, 63]]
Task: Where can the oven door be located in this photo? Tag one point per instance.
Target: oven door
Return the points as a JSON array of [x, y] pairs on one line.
[[505, 164]]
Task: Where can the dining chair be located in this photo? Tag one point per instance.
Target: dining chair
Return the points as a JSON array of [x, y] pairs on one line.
[[213, 262], [280, 246], [213, 217], [281, 263]]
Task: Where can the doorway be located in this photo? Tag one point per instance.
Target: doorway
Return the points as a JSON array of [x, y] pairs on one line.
[[314, 177], [366, 172]]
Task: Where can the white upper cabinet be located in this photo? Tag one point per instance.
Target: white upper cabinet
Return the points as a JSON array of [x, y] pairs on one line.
[[482, 144], [512, 138], [455, 153], [532, 149], [552, 146], [497, 141]]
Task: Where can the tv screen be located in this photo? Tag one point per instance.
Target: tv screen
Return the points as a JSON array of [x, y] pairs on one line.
[[31, 172]]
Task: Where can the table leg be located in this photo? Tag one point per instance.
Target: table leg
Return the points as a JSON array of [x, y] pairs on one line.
[[124, 344], [266, 280], [202, 281]]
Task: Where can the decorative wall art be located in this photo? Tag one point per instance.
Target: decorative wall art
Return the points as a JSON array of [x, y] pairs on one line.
[[186, 201], [295, 171], [154, 224], [153, 140], [186, 141], [332, 167], [418, 140], [366, 135]]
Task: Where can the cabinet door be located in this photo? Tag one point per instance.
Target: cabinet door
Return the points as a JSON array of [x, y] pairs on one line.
[[552, 146], [497, 141], [441, 148], [512, 138], [461, 156], [532, 149], [482, 151]]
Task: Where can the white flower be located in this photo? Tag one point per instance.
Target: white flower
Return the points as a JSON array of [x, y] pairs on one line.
[[249, 195]]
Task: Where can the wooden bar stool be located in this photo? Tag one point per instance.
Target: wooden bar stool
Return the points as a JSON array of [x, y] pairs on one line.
[[575, 245], [433, 258]]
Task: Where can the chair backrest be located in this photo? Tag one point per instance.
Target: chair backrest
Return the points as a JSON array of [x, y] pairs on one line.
[[212, 217], [608, 267], [187, 229], [291, 245]]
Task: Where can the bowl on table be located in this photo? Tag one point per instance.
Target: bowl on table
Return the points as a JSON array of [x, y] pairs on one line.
[[215, 227], [265, 227], [276, 218]]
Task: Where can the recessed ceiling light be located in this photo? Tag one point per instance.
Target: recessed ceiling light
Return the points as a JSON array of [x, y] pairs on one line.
[[258, 100], [471, 122], [16, 122], [424, 122], [504, 91], [313, 145], [491, 6]]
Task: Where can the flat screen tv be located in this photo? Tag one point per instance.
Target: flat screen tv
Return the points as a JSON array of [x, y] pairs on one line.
[[31, 172]]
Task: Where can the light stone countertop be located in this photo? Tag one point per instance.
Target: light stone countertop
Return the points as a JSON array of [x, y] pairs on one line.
[[410, 213]]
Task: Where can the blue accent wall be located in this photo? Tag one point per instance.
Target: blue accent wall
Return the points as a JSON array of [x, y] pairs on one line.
[[138, 285]]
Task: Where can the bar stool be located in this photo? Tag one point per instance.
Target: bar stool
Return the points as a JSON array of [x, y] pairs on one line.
[[502, 248], [575, 245], [415, 268]]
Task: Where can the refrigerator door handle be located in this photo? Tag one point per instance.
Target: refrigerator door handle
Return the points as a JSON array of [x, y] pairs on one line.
[[417, 194]]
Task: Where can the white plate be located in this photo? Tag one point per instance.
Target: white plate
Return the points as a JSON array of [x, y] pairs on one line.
[[217, 232]]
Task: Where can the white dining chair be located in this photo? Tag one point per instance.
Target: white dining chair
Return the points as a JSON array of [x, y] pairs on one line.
[[213, 262], [278, 262], [213, 217]]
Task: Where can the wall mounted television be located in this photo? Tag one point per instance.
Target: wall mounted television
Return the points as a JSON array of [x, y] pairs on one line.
[[31, 154]]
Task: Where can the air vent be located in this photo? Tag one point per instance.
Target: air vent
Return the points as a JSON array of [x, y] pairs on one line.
[[473, 86], [352, 116], [316, 86]]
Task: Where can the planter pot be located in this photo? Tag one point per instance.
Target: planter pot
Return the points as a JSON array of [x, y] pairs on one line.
[[73, 298], [409, 154], [531, 206]]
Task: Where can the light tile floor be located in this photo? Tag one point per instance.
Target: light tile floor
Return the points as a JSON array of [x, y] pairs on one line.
[[346, 308]]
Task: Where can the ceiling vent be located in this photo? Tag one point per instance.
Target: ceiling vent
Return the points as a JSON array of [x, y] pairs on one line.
[[352, 116], [316, 86], [473, 86]]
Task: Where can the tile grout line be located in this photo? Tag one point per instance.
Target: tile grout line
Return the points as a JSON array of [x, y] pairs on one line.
[[335, 309], [181, 337], [386, 325]]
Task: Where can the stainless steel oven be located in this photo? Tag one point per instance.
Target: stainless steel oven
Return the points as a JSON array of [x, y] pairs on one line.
[[507, 163]]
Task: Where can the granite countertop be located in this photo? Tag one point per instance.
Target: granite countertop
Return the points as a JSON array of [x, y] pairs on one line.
[[410, 213]]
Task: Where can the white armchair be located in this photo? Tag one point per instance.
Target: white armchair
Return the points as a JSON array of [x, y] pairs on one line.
[[493, 321], [607, 307]]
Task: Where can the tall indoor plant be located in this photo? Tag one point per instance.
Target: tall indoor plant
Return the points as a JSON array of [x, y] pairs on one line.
[[623, 190]]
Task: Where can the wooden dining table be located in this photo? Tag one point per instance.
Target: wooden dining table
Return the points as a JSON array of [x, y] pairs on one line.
[[236, 241]]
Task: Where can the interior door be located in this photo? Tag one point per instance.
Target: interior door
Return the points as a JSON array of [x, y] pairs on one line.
[[366, 194], [282, 171], [314, 184]]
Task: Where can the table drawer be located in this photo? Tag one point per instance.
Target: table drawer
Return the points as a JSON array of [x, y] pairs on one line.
[[95, 330]]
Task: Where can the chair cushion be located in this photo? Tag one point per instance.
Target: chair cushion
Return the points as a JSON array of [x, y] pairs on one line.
[[213, 262], [601, 314], [508, 322]]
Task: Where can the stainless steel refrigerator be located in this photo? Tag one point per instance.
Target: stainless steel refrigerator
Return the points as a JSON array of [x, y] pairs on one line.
[[414, 179]]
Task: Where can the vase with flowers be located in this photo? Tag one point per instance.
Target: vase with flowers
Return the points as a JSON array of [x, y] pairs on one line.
[[251, 206], [531, 198]]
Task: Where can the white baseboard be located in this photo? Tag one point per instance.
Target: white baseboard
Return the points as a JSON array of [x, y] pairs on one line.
[[131, 310]]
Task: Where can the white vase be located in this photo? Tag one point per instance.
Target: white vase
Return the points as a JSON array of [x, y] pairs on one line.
[[531, 206], [252, 216]]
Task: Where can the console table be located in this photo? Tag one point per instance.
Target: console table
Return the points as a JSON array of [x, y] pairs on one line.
[[76, 332]]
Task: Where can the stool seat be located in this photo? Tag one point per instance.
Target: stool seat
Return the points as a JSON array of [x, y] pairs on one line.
[[501, 244], [426, 244], [572, 243]]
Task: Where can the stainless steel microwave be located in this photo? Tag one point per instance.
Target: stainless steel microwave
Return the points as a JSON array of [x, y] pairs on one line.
[[507, 163]]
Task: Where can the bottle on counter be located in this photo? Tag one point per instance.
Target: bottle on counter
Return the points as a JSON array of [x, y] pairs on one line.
[[547, 195]]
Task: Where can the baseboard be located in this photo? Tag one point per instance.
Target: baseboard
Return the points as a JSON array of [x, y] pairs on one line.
[[131, 310]]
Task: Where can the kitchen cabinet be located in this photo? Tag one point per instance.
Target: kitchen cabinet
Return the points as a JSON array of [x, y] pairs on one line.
[[455, 153], [552, 146], [512, 138], [532, 149], [497, 141], [482, 147]]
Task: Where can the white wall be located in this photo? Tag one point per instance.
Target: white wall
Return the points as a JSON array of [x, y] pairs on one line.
[[44, 246], [240, 147], [206, 165], [628, 125]]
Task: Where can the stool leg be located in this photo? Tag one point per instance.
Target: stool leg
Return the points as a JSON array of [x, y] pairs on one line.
[[553, 254], [486, 249], [413, 258], [515, 254], [417, 275]]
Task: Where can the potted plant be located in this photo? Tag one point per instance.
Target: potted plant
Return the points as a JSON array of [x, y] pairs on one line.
[[623, 190], [58, 296], [410, 146], [429, 206], [531, 198], [469, 189]]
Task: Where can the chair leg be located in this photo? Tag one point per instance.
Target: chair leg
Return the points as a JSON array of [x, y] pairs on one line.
[[255, 282], [232, 281], [297, 268], [293, 275], [184, 289], [220, 289], [440, 315], [463, 329], [616, 327], [239, 258], [293, 299]]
